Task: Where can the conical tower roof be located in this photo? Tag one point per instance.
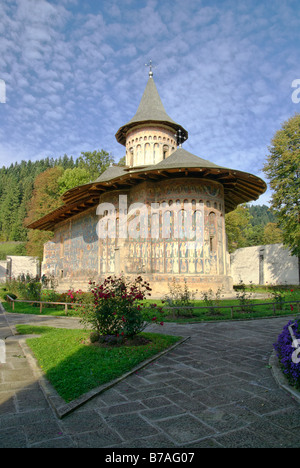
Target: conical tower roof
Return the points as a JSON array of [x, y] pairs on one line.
[[150, 110]]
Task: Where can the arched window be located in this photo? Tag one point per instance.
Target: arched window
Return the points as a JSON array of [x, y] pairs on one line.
[[147, 154], [156, 153], [165, 151], [138, 155]]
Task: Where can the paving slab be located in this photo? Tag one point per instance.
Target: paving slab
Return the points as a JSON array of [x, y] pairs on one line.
[[215, 390]]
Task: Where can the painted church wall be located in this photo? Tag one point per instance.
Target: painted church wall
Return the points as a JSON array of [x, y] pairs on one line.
[[73, 252], [77, 254]]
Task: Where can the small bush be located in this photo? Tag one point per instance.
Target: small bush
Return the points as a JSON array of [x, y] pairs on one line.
[[278, 296], [212, 301], [48, 295], [245, 298], [94, 336], [178, 297], [114, 308], [26, 287]]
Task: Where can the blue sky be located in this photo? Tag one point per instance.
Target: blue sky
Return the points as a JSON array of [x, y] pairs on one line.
[[75, 72]]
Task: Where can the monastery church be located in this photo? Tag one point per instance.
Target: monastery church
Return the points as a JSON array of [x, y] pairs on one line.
[[161, 179]]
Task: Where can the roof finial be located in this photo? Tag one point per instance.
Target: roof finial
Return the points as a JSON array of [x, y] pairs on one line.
[[151, 66]]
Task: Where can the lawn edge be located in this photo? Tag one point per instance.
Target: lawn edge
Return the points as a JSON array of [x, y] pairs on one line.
[[57, 403], [280, 379]]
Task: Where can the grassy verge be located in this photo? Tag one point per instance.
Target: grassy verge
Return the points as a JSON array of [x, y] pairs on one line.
[[196, 315], [28, 308], [74, 367]]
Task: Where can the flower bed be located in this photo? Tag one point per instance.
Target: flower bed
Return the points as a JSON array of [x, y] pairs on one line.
[[288, 351]]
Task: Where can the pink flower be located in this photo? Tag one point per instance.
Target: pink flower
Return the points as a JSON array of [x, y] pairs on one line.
[[292, 308]]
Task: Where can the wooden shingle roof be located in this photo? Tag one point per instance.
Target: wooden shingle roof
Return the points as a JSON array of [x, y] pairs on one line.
[[150, 110]]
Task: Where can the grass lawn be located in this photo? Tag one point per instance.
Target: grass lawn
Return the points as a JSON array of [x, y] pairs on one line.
[[74, 367], [11, 248], [192, 315], [267, 310], [28, 308]]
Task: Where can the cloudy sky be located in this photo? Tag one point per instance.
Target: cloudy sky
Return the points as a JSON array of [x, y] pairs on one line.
[[74, 72]]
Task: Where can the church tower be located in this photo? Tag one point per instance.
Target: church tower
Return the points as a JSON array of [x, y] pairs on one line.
[[151, 135]]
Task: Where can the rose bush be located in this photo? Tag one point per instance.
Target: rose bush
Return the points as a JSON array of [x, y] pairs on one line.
[[115, 308]]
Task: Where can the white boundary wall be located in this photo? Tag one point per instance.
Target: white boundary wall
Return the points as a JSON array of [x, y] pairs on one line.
[[15, 265], [264, 264]]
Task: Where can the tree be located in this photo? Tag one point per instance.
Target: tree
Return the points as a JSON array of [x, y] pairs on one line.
[[95, 162], [272, 234], [283, 171], [73, 178], [9, 208], [122, 161], [45, 198], [238, 225]]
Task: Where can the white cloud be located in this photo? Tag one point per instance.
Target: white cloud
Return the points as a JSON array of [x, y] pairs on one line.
[[75, 73]]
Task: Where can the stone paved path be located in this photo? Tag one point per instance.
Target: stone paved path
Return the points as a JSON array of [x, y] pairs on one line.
[[215, 390]]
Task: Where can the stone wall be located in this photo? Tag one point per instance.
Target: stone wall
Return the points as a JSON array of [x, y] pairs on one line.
[[2, 271], [17, 265], [264, 264]]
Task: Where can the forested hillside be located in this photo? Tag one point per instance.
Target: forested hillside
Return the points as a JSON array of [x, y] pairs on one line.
[[29, 190], [250, 225]]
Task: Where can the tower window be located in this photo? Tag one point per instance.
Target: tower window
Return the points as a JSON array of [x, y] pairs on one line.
[[165, 151]]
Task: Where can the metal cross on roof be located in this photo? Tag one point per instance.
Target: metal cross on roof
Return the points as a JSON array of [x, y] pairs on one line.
[[150, 66]]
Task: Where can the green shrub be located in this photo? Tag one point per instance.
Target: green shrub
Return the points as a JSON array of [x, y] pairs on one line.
[[114, 307], [212, 301], [48, 295], [178, 297], [94, 336], [33, 291], [245, 298]]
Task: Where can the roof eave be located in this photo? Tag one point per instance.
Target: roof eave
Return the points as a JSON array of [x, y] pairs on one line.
[[123, 131], [239, 187]]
